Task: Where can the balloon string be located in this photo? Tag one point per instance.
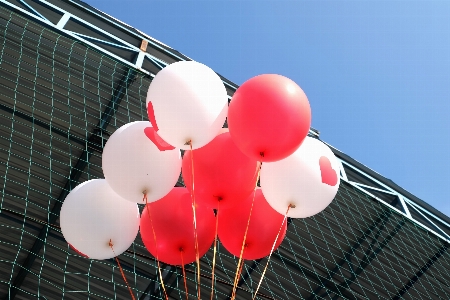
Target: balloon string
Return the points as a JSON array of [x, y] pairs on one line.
[[215, 250], [184, 275], [271, 251], [156, 246], [236, 277], [121, 270], [197, 257], [233, 295]]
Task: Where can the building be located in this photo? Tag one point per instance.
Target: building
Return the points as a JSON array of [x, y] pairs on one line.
[[69, 76]]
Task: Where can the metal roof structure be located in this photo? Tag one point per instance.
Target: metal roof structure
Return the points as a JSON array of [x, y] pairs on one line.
[[70, 76]]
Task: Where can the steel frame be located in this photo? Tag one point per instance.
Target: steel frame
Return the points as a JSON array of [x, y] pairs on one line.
[[370, 254], [88, 40], [403, 200], [153, 288], [248, 272], [421, 271], [325, 284], [312, 275], [72, 181]]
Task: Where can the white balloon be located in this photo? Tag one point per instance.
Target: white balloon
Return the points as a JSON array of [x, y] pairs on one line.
[[308, 179], [190, 103], [133, 165], [92, 215]]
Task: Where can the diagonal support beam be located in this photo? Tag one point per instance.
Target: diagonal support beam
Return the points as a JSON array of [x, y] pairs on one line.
[[72, 181], [421, 271], [153, 289], [313, 276], [328, 282], [245, 276], [34, 121], [176, 281], [370, 254], [149, 289]]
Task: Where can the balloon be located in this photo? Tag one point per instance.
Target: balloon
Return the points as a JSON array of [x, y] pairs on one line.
[[269, 117], [222, 173], [172, 220], [308, 179], [92, 215], [133, 164], [77, 252], [262, 231], [187, 101], [162, 145]]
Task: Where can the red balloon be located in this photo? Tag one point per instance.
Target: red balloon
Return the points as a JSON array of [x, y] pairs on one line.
[[76, 251], [172, 219], [265, 223], [269, 117], [222, 173]]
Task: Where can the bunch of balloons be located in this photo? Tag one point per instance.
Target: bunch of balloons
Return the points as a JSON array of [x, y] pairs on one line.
[[268, 121]]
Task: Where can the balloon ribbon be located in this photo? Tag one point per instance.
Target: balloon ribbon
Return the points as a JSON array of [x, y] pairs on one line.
[[197, 258], [271, 251], [240, 263], [121, 270], [215, 250], [184, 275], [156, 245], [240, 266]]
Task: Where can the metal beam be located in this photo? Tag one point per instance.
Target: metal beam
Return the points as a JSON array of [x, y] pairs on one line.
[[150, 287], [42, 124], [72, 181], [245, 276], [173, 285], [153, 289], [421, 271], [371, 254], [32, 223], [59, 28], [326, 284], [391, 190], [312, 275]]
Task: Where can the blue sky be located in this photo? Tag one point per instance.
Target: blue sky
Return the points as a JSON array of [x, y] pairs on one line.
[[377, 73]]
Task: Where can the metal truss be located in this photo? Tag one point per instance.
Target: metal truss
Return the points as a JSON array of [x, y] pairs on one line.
[[407, 205], [110, 40], [421, 271], [72, 181], [327, 283], [153, 289], [107, 41]]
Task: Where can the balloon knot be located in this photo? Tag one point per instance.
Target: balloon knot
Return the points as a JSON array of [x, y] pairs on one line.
[[219, 198], [110, 243], [181, 249], [144, 192], [188, 142], [261, 154], [291, 205]]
